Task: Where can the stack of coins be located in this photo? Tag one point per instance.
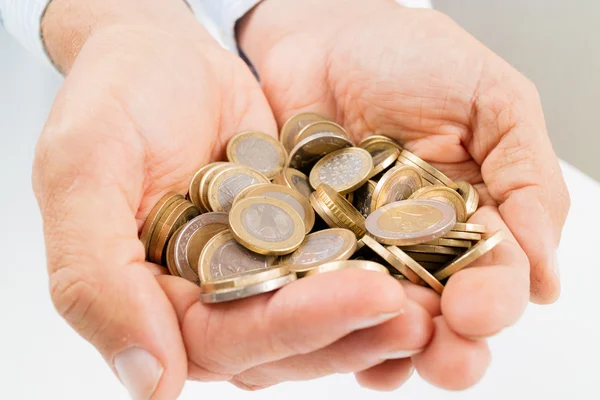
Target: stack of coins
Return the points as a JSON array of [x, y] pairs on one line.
[[314, 203]]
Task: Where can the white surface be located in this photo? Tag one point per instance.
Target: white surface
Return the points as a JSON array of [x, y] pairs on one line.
[[552, 353]]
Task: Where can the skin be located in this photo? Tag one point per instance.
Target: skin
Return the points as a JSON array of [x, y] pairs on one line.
[[149, 97]]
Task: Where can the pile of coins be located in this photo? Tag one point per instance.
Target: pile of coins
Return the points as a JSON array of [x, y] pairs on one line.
[[312, 203]]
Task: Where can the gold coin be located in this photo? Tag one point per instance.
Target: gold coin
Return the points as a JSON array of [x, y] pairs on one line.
[[417, 269], [432, 249], [152, 240], [399, 183], [344, 170], [462, 236], [428, 257], [430, 169], [470, 196], [337, 265], [445, 195], [294, 179], [320, 127], [473, 228], [194, 187], [375, 143], [410, 222], [321, 247], [322, 210], [308, 151], [294, 125], [391, 259], [428, 179], [228, 183], [181, 212], [152, 220], [266, 225], [258, 151], [206, 179], [383, 159], [170, 255], [290, 196], [450, 243], [245, 279], [341, 212], [471, 255], [222, 256], [361, 198]]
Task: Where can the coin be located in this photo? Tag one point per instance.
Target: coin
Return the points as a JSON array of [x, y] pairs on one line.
[[344, 170], [294, 179], [194, 187], [399, 183], [417, 269], [245, 285], [391, 259], [321, 247], [469, 195], [430, 169], [290, 196], [337, 265], [382, 159], [450, 243], [410, 222], [308, 151], [445, 195], [258, 151], [470, 255], [462, 235], [266, 225], [338, 210], [191, 238], [474, 228], [432, 249], [170, 256], [223, 256], [152, 219], [178, 214], [428, 179], [294, 125], [228, 183], [361, 198], [320, 127], [207, 178], [375, 143]]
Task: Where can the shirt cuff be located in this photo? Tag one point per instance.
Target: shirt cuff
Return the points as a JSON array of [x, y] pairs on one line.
[[22, 19]]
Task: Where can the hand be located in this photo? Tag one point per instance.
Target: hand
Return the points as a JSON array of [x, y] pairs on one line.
[[148, 99], [376, 67]]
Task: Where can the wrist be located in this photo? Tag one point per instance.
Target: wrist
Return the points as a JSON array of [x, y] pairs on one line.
[[67, 24]]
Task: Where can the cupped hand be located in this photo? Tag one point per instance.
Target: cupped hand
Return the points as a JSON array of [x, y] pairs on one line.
[[376, 67], [148, 99]]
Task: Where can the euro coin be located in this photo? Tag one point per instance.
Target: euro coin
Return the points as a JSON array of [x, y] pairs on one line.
[[399, 183], [206, 179], [294, 179], [428, 179], [432, 249], [320, 247], [294, 125], [410, 222], [344, 170], [430, 169], [258, 151], [338, 265], [463, 236], [338, 211], [223, 256], [290, 196], [228, 183], [417, 269], [153, 217], [194, 187], [310, 150], [478, 250], [445, 195], [469, 195], [375, 143], [361, 198], [383, 159], [450, 243], [320, 127], [391, 259], [177, 215], [266, 225], [189, 241], [473, 228]]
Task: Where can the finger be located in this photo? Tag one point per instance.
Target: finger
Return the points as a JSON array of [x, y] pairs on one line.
[[521, 171], [493, 292], [425, 297], [451, 361], [400, 337], [228, 338], [387, 376], [99, 281]]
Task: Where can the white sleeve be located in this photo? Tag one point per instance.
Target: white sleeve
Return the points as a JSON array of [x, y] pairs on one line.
[[21, 18]]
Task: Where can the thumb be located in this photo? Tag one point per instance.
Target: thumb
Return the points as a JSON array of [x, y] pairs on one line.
[[99, 281]]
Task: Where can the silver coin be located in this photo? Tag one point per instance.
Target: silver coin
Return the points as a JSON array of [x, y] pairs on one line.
[[231, 186], [317, 249], [258, 153], [231, 258], [268, 222], [308, 151], [246, 291], [286, 198]]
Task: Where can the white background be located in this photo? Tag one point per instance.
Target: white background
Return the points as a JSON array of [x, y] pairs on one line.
[[552, 353]]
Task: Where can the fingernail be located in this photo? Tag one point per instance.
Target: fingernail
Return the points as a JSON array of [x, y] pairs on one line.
[[139, 371], [401, 354], [369, 322]]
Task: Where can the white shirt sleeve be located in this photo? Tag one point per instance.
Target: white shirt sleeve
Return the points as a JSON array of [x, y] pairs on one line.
[[21, 18]]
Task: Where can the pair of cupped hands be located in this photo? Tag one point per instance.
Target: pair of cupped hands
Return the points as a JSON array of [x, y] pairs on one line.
[[149, 97]]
